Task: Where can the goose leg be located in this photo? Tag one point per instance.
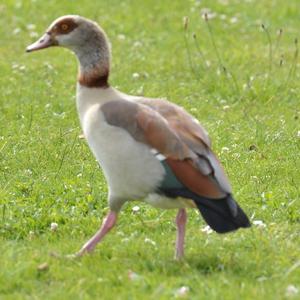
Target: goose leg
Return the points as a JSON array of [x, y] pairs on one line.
[[107, 225], [181, 219]]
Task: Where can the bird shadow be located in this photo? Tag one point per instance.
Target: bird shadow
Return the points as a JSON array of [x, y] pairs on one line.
[[203, 264]]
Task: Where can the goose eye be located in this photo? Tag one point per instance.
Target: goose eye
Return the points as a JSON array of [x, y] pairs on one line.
[[64, 27]]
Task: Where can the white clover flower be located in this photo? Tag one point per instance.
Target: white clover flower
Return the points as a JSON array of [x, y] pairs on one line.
[[53, 226], [207, 230], [137, 44], [133, 276], [16, 31], [182, 292], [149, 241], [121, 37], [135, 209], [136, 75], [259, 223], [30, 26], [233, 20], [291, 290], [33, 34]]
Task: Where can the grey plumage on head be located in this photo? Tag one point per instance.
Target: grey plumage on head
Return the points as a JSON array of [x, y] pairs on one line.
[[91, 46], [90, 43]]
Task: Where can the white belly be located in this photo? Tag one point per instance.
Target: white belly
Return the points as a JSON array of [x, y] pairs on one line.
[[161, 201], [131, 170]]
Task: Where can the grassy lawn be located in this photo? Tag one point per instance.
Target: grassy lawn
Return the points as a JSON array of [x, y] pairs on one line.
[[239, 78]]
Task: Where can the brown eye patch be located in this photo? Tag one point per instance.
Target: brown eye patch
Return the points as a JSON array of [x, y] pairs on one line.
[[64, 26]]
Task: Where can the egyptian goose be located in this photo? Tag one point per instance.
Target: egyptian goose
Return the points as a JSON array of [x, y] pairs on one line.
[[150, 149]]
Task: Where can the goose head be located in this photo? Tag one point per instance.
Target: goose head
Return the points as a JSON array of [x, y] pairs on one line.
[[87, 40]]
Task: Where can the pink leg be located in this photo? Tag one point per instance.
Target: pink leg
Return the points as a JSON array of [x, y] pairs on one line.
[[107, 225], [181, 219]]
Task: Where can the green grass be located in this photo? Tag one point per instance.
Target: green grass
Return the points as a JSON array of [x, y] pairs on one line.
[[243, 88]]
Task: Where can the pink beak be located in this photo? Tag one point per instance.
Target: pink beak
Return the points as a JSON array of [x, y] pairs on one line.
[[44, 42]]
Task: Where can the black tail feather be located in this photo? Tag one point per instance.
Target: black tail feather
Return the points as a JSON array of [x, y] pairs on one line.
[[222, 215]]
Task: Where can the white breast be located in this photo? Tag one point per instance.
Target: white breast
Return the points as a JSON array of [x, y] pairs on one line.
[[130, 168], [164, 202]]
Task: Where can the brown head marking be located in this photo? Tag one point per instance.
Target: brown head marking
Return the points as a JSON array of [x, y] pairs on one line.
[[64, 26]]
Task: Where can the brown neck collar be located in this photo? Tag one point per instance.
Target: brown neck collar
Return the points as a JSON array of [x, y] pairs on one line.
[[94, 79]]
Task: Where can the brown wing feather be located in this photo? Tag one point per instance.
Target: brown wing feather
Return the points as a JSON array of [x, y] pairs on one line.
[[159, 135], [190, 177], [182, 122], [194, 136]]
